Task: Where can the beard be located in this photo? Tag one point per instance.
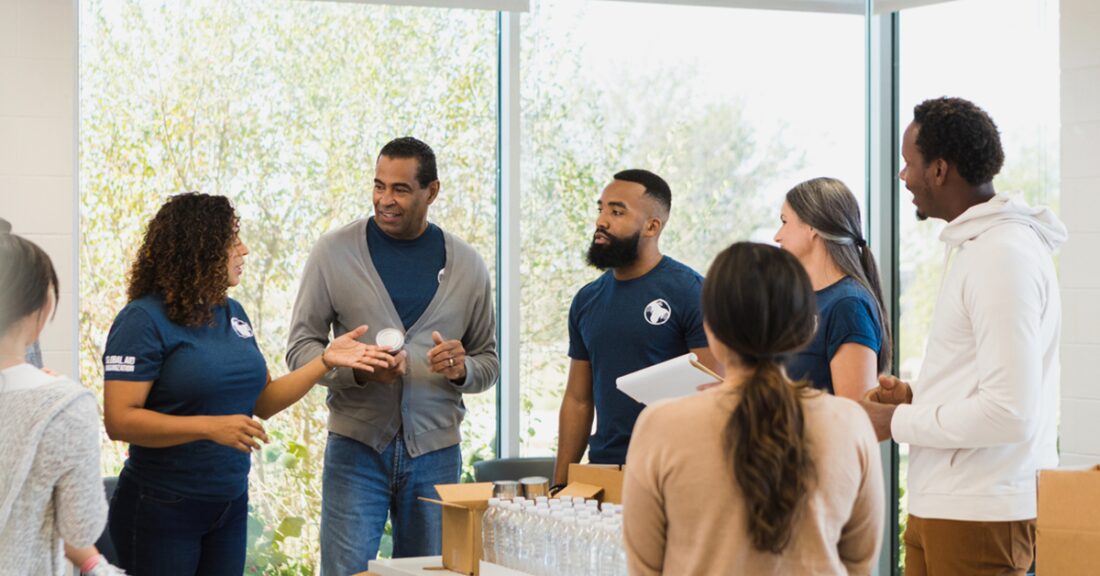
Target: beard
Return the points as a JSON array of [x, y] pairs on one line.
[[618, 252], [921, 216]]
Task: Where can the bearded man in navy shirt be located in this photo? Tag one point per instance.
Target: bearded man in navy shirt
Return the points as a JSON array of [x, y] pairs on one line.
[[644, 309]]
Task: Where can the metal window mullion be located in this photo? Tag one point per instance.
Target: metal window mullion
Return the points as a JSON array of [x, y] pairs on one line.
[[508, 236], [883, 222]]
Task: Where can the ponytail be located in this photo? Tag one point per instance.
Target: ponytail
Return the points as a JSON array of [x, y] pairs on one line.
[[828, 206], [872, 282], [766, 436]]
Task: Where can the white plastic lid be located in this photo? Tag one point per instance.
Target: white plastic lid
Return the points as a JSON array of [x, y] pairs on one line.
[[391, 339]]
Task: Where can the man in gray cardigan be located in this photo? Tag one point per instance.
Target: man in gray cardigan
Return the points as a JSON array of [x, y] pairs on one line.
[[394, 433]]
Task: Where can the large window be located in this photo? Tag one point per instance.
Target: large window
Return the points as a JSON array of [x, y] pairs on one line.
[[733, 107], [282, 106], [1004, 57]]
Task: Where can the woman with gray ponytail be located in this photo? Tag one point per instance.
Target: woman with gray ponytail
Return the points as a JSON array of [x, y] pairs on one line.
[[852, 345], [758, 475]]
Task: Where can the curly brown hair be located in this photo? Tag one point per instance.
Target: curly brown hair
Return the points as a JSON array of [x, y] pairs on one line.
[[184, 257]]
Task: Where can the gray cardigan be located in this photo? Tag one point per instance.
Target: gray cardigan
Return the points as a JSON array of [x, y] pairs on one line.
[[341, 289]]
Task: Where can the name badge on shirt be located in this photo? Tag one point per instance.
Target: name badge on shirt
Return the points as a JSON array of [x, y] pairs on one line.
[[241, 327]]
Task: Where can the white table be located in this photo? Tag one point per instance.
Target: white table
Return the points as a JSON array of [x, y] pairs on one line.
[[431, 566], [407, 566]]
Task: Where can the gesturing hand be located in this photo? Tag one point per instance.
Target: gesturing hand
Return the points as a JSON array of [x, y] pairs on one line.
[[237, 431], [447, 358], [890, 390], [348, 351], [395, 367]]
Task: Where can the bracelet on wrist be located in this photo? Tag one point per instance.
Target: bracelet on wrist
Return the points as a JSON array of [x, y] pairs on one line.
[[324, 362]]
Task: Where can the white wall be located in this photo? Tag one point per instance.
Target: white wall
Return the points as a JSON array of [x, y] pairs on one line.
[[38, 147], [1080, 264]]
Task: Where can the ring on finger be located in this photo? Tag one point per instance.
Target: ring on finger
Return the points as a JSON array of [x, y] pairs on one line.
[[451, 362]]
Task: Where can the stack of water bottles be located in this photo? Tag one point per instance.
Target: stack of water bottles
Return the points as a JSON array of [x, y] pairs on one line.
[[554, 537]]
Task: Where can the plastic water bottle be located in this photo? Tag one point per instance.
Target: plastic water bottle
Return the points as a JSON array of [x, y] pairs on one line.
[[606, 543], [589, 551], [554, 532], [508, 535], [562, 546], [536, 559], [620, 565], [527, 528], [488, 531]]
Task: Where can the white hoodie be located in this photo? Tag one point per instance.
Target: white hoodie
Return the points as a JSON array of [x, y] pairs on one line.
[[983, 417]]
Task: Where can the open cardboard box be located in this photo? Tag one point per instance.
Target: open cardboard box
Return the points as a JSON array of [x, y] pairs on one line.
[[464, 504], [1068, 523], [603, 482]]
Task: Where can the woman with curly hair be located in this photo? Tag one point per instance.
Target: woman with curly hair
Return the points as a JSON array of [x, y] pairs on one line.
[[183, 378], [758, 475]]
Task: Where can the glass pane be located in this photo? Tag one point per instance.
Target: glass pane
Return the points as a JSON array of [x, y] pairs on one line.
[[732, 107], [1003, 56], [282, 106]]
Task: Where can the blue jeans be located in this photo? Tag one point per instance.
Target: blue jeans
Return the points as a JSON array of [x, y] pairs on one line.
[[362, 486], [158, 533]]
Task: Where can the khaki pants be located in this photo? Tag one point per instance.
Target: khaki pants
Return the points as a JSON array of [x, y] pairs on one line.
[[959, 548]]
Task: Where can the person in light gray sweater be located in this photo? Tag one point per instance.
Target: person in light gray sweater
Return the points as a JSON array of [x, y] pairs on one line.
[[395, 433], [50, 489]]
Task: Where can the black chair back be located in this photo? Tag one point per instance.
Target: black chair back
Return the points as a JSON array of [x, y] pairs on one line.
[[513, 469]]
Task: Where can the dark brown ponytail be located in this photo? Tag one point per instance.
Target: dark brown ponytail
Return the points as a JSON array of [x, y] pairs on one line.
[[771, 460], [758, 301]]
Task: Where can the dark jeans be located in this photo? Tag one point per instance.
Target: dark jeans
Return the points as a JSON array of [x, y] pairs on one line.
[[158, 533], [362, 487]]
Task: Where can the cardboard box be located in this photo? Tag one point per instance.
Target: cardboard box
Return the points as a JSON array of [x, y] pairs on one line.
[[1068, 523], [608, 478], [463, 505]]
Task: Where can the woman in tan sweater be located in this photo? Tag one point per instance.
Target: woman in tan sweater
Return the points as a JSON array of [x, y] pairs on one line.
[[758, 475]]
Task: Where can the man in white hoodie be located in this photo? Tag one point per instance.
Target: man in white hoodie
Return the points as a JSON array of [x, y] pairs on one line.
[[981, 419]]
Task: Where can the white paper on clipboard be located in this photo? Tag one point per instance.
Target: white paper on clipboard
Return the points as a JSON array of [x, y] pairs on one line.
[[670, 379]]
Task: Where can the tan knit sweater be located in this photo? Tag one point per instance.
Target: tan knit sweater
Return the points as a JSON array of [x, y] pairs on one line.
[[684, 513], [51, 489]]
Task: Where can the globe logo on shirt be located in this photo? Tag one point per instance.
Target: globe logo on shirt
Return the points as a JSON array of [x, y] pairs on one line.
[[241, 327], [658, 312]]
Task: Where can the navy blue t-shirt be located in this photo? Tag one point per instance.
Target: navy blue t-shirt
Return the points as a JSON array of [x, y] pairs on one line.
[[205, 370], [409, 269], [846, 312], [623, 326]]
